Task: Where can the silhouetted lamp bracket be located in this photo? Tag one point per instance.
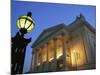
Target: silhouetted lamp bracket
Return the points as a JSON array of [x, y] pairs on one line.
[[25, 23]]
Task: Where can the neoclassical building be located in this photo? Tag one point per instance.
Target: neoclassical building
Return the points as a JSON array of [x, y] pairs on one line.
[[65, 47]]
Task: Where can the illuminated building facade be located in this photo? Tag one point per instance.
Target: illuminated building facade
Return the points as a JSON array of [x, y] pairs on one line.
[[65, 47]]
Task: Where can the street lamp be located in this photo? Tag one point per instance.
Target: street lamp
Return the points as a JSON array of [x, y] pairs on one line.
[[25, 23], [19, 43]]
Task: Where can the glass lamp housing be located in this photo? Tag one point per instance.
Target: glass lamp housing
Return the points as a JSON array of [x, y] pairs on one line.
[[25, 23]]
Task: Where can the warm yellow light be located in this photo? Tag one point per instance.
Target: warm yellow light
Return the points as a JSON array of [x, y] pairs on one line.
[[59, 55], [73, 59], [61, 65], [51, 51], [38, 64], [78, 57], [25, 22], [51, 59], [44, 57], [59, 50]]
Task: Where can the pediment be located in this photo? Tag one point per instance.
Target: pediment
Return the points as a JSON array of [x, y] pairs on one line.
[[48, 32]]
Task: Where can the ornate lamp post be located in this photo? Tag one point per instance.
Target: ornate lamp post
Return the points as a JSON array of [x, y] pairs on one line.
[[19, 43]]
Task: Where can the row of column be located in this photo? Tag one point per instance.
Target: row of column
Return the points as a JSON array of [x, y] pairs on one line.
[[55, 54]]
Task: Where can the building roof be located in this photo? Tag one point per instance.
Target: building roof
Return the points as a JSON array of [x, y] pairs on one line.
[[79, 21], [48, 31]]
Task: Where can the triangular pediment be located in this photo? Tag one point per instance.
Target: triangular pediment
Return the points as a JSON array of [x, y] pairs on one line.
[[48, 32]]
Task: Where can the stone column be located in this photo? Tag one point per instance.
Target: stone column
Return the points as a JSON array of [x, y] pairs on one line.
[[35, 61], [41, 59], [64, 51], [55, 54], [47, 56]]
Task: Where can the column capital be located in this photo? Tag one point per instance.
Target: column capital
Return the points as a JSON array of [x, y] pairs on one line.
[[55, 39], [48, 43], [62, 33]]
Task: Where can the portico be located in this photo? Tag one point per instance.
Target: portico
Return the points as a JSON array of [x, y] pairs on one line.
[[63, 48], [50, 52]]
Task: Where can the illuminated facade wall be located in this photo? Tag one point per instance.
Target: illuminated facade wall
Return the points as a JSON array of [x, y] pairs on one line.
[[71, 50], [78, 56]]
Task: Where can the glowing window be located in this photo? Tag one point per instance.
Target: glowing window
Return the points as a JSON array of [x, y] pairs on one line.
[[59, 50], [51, 51], [44, 56]]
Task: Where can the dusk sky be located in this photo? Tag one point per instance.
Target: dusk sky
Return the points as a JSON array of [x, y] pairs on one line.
[[47, 15]]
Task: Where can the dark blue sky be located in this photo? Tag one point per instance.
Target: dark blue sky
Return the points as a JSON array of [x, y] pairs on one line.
[[47, 15]]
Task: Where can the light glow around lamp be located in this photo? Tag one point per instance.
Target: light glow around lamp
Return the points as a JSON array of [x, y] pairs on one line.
[[25, 23]]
